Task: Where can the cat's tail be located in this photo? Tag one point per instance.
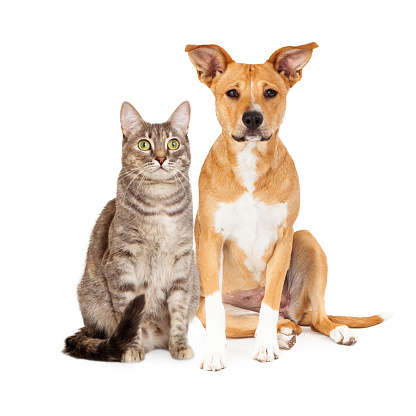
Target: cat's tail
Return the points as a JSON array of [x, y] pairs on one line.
[[81, 345]]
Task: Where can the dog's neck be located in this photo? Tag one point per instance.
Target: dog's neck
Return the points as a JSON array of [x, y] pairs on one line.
[[268, 153], [247, 162]]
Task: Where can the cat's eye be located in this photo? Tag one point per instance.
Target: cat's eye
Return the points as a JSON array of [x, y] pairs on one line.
[[144, 145], [173, 144], [269, 93], [233, 93]]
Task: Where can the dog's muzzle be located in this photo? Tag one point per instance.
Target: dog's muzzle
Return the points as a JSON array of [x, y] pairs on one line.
[[252, 120], [252, 138]]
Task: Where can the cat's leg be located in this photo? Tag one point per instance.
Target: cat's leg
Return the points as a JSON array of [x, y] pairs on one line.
[[178, 299], [178, 302], [135, 352], [119, 270]]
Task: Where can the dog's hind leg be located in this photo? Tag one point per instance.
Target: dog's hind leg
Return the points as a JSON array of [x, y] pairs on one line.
[[240, 323], [307, 276]]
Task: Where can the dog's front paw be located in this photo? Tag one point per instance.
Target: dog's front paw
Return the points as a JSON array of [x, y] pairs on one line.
[[266, 348], [266, 352], [342, 335], [214, 361]]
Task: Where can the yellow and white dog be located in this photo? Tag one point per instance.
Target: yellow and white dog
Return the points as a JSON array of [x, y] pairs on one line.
[[252, 265]]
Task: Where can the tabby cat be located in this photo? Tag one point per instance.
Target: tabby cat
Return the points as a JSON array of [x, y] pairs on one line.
[[140, 288]]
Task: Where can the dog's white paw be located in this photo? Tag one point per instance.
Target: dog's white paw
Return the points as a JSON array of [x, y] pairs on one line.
[[342, 335], [266, 353], [214, 361], [266, 349], [286, 338]]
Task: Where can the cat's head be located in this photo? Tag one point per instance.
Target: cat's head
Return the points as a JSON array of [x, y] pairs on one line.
[[158, 150]]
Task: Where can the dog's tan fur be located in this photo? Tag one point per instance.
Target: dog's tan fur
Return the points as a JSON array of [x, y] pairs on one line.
[[277, 183]]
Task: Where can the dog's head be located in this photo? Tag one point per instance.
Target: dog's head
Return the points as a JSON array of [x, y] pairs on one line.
[[250, 99]]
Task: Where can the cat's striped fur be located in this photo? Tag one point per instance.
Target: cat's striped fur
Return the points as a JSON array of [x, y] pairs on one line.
[[142, 244]]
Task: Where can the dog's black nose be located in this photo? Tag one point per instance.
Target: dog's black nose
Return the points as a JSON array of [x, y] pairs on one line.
[[252, 119]]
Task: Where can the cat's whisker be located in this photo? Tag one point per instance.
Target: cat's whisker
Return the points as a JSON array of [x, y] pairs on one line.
[[140, 183], [170, 166], [151, 169], [126, 171], [177, 177], [128, 186], [182, 175], [125, 174]]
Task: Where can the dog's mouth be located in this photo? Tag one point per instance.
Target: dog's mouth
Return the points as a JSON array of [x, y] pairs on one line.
[[251, 138]]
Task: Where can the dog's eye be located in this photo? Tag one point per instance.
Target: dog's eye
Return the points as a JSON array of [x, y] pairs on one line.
[[270, 93], [233, 93]]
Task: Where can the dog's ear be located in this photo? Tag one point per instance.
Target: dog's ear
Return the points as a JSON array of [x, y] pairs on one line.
[[290, 60], [180, 117], [209, 61], [130, 119]]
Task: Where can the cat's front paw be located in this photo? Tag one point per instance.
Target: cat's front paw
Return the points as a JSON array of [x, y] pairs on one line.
[[133, 355], [181, 352]]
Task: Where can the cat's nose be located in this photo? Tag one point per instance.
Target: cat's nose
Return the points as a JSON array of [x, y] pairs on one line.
[[160, 160]]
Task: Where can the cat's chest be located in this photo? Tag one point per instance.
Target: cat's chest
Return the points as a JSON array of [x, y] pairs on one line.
[[163, 231], [161, 240], [155, 256]]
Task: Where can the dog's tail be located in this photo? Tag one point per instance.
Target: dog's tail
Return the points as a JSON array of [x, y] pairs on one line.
[[82, 345], [350, 321]]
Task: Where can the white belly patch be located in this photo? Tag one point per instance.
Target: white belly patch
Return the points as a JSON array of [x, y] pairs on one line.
[[253, 225], [250, 222]]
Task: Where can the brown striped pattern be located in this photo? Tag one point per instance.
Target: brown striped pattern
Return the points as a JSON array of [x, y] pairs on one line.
[[142, 243]]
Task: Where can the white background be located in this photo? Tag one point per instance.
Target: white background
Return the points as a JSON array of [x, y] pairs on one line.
[[67, 67]]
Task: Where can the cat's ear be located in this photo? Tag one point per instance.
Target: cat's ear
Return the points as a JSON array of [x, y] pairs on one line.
[[180, 117], [290, 60], [209, 61], [130, 119]]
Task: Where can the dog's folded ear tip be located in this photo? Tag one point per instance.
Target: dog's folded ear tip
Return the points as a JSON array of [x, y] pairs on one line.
[[189, 48]]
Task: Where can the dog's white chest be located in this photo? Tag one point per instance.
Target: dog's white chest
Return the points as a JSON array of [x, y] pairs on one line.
[[251, 223]]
